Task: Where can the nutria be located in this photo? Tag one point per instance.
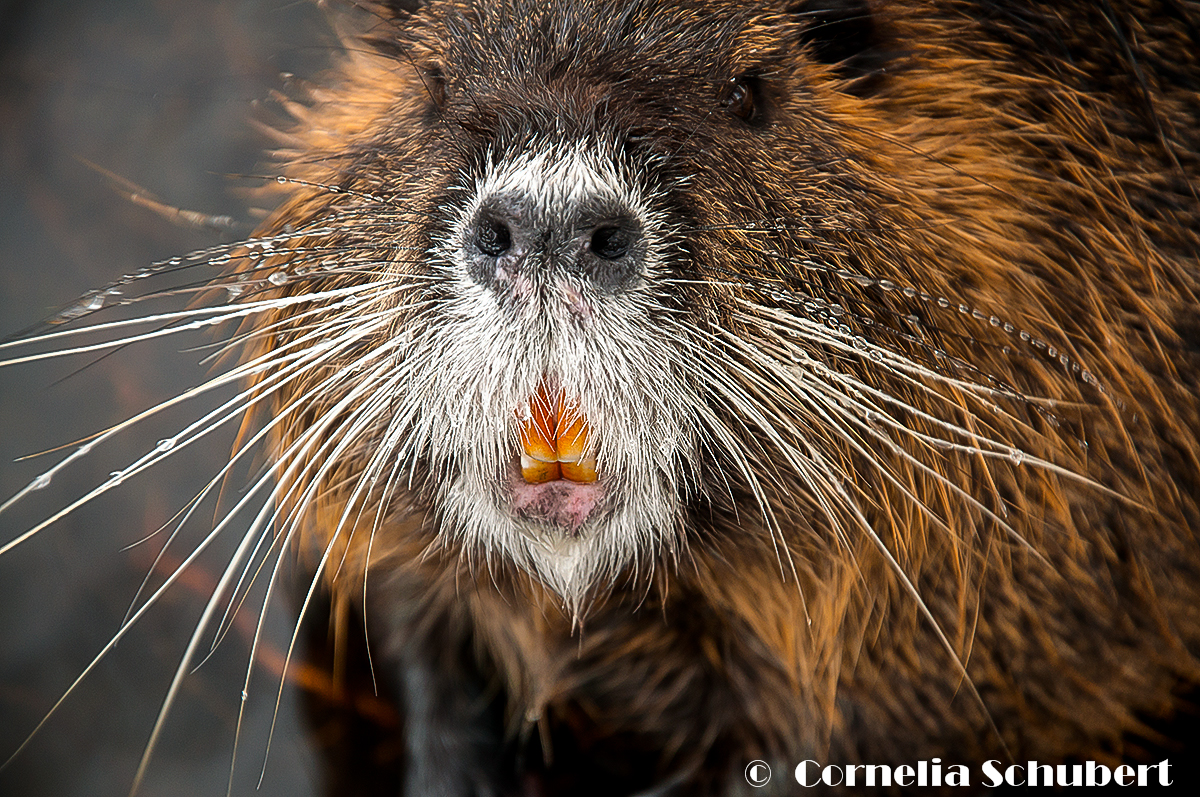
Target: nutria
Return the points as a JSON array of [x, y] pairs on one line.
[[673, 385]]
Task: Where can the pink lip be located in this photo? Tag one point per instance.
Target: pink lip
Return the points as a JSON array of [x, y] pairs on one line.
[[560, 503]]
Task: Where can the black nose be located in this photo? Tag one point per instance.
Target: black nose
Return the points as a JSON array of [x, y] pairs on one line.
[[611, 242], [492, 237], [511, 237]]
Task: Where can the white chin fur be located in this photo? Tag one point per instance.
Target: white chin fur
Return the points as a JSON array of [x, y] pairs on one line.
[[628, 533]]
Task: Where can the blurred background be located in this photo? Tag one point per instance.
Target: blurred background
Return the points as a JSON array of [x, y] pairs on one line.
[[163, 94]]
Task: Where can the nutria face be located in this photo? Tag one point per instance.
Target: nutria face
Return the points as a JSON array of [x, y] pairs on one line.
[[633, 267], [636, 267], [559, 389]]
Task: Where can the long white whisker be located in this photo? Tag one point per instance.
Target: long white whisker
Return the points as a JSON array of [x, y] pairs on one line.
[[220, 315]]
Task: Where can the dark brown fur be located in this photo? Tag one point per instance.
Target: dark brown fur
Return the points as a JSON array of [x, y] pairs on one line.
[[1036, 164]]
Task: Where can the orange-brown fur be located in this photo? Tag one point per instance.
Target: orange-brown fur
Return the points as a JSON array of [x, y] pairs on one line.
[[1016, 189]]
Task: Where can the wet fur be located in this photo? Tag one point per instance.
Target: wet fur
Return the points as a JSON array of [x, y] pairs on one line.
[[925, 333], [1004, 207]]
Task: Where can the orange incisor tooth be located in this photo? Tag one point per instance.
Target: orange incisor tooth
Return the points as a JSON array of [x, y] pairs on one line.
[[573, 436], [537, 472], [537, 429], [555, 441], [583, 471]]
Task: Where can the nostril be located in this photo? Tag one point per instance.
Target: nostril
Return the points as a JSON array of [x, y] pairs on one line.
[[492, 237], [611, 243]]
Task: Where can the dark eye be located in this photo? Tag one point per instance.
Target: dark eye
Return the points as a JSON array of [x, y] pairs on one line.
[[435, 85], [740, 100]]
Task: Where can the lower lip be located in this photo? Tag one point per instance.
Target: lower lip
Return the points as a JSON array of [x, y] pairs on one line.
[[563, 504]]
